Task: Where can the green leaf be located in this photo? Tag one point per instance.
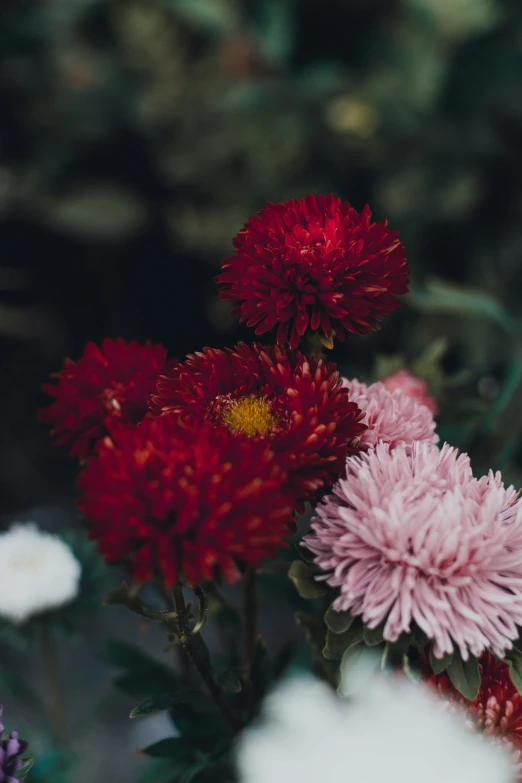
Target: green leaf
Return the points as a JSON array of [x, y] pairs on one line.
[[176, 748], [143, 676], [140, 686], [194, 770], [440, 296], [338, 622], [373, 636], [394, 651], [200, 720], [167, 701], [302, 575], [419, 638], [152, 705], [349, 659], [125, 655], [439, 665], [127, 596], [411, 673], [21, 774], [314, 628], [514, 659], [337, 644], [465, 675]]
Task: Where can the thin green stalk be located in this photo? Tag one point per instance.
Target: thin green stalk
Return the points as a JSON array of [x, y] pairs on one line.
[[57, 704], [187, 641], [250, 609]]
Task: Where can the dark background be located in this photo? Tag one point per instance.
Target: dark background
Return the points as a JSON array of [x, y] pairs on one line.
[[137, 136]]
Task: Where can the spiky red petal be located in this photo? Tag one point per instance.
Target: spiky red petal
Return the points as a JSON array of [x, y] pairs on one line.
[[108, 382], [315, 421], [314, 263], [185, 502]]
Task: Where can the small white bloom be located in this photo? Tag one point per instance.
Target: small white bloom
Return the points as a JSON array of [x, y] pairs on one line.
[[394, 732], [38, 572]]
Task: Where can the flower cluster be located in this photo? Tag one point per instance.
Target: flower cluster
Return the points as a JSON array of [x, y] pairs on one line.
[[415, 538], [244, 436], [193, 471]]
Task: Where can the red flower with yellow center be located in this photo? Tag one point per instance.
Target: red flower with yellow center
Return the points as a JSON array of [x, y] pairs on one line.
[[316, 264], [107, 384], [185, 502], [297, 404], [497, 710]]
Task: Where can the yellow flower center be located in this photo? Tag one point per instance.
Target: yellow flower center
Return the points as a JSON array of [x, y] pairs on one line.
[[251, 415]]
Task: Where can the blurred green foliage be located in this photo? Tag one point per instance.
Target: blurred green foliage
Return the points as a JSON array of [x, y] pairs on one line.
[[183, 117]]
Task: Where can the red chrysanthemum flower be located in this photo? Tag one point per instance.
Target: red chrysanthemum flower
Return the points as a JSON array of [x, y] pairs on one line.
[[185, 502], [107, 384], [314, 263], [497, 710], [296, 403]]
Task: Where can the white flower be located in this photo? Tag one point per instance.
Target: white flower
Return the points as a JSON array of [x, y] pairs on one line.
[[394, 732], [38, 572]]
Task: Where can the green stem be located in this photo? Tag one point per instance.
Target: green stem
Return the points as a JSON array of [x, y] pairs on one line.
[[250, 608], [57, 706], [188, 643], [181, 659]]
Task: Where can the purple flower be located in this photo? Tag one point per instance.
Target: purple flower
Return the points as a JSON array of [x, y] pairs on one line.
[[10, 751]]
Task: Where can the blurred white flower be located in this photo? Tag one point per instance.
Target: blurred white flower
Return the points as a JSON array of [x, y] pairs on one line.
[[393, 732], [38, 572]]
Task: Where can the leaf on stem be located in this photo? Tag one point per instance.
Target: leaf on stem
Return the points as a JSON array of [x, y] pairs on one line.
[[439, 665], [303, 576], [465, 675], [338, 622], [514, 659], [337, 644]]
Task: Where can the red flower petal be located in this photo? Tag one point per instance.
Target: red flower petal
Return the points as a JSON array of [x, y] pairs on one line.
[[314, 260], [106, 384], [309, 422], [185, 502]]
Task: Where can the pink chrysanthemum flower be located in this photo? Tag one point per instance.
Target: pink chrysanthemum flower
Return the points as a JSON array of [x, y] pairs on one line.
[[392, 417], [417, 539], [414, 387]]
